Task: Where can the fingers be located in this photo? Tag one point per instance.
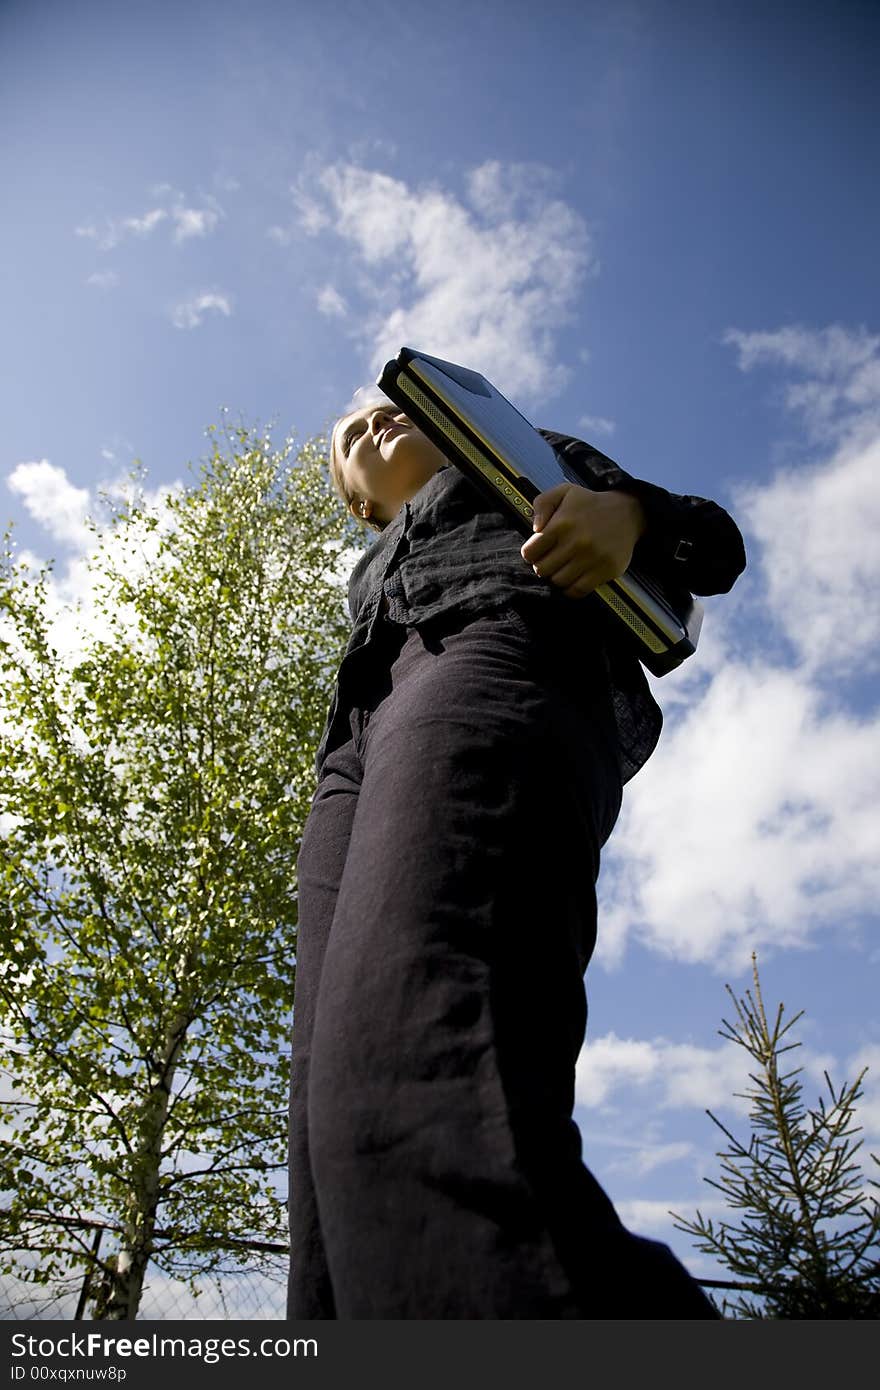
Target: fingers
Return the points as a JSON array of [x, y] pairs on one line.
[[545, 504], [582, 539], [575, 579], [537, 546], [554, 529], [554, 557], [571, 572], [582, 585], [570, 565], [549, 562]]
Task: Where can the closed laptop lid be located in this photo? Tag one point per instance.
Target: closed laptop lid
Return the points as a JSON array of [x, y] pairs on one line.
[[490, 417]]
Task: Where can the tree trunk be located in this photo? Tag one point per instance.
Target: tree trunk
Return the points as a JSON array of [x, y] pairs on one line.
[[136, 1244]]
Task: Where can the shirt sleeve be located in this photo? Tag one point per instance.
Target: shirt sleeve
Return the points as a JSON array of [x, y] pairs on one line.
[[689, 541]]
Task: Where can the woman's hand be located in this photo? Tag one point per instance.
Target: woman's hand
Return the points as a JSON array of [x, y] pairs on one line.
[[582, 538]]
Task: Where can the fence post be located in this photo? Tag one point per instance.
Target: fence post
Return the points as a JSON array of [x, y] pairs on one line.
[[87, 1282]]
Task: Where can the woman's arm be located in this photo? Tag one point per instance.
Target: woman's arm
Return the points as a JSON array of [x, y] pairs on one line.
[[582, 539], [686, 541]]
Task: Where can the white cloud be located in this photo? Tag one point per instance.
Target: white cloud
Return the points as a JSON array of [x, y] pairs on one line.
[[642, 1077], [116, 230], [106, 240], [648, 1160], [497, 191], [191, 312], [677, 1075], [841, 366], [61, 509], [817, 530], [868, 1108], [331, 302], [280, 234], [143, 226], [596, 424], [606, 1062], [52, 500], [311, 216], [486, 280], [187, 222], [753, 826], [652, 1218], [104, 279], [193, 222], [636, 1150], [836, 353]]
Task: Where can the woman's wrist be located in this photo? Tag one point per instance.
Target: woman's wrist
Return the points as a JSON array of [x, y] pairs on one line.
[[637, 512]]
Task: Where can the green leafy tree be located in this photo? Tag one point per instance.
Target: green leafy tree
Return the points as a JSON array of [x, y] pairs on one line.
[[153, 787], [809, 1238]]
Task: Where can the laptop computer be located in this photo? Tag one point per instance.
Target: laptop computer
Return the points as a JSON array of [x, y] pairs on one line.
[[484, 435]]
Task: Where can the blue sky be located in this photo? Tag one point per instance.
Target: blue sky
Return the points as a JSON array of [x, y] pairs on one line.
[[652, 225]]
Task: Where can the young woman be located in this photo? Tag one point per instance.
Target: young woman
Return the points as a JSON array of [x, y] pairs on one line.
[[484, 721]]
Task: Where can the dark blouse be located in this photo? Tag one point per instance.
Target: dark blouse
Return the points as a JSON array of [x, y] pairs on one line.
[[448, 550]]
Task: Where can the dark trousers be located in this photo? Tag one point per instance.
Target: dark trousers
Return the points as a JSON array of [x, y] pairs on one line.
[[447, 912]]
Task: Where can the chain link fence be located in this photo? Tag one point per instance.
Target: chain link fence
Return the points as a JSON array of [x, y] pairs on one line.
[[254, 1289], [250, 1295], [255, 1292]]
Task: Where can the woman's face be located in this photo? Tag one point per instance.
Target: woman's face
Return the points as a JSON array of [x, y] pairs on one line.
[[384, 459]]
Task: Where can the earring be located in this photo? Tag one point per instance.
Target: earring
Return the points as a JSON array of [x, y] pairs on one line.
[[363, 509]]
